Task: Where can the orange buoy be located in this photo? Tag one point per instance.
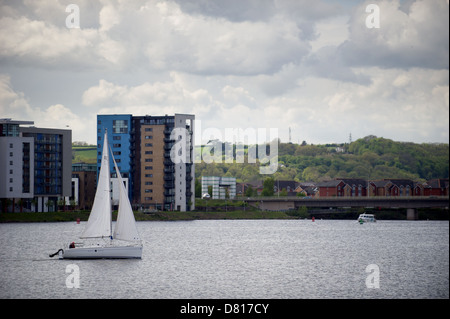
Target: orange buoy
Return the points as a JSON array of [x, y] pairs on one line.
[[78, 220], [313, 219]]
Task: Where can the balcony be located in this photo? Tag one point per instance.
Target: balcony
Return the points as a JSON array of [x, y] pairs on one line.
[[168, 162], [169, 185], [169, 177]]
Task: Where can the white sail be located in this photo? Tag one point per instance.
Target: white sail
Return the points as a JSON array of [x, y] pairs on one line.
[[126, 225], [99, 222]]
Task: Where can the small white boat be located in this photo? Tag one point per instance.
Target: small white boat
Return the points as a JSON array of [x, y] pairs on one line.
[[364, 218], [99, 239]]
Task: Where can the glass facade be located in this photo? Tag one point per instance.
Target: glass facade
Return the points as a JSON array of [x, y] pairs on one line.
[[47, 163]]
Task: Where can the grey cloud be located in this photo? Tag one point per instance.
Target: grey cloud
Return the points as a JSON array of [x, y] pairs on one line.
[[412, 34], [232, 10]]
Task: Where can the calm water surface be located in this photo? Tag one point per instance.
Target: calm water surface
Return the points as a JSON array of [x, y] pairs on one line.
[[236, 259]]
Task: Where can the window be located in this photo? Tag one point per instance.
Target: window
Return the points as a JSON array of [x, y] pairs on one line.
[[148, 137], [148, 167], [148, 152], [116, 138], [149, 190], [148, 144], [149, 160], [148, 175], [120, 126], [148, 129]]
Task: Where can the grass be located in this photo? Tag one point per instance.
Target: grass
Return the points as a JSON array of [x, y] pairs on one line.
[[158, 216], [84, 154]]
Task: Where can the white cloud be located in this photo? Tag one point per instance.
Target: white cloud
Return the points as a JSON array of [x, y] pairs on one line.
[[15, 105], [314, 67], [414, 36]]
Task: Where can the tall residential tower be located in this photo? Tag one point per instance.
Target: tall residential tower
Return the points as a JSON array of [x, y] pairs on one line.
[[35, 166], [142, 148]]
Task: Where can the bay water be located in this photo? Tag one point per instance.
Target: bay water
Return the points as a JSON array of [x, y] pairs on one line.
[[251, 259]]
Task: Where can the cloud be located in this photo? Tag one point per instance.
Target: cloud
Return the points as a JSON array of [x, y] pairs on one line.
[[15, 105], [158, 35], [409, 36], [272, 63], [172, 96]]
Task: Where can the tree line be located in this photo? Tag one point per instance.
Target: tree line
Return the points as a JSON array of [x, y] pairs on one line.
[[370, 157]]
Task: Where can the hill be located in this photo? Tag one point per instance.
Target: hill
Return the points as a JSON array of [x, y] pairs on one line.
[[369, 157], [84, 154]]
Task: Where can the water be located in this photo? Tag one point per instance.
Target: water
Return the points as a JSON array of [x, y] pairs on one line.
[[236, 259]]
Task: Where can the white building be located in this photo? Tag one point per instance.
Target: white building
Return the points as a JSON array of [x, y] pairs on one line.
[[35, 166], [16, 161], [222, 187]]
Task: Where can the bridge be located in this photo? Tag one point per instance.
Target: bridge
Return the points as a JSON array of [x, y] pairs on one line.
[[291, 203]]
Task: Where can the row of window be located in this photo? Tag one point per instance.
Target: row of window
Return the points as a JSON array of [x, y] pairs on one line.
[[118, 138]]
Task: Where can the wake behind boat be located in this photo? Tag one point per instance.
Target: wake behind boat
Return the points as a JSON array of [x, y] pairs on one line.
[[99, 239]]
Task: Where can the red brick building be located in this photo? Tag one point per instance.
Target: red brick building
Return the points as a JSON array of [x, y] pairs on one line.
[[436, 187]]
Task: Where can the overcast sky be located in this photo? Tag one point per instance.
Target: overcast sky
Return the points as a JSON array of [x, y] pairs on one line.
[[312, 66]]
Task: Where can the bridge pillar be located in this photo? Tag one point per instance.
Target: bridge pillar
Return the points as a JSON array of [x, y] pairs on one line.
[[412, 214]]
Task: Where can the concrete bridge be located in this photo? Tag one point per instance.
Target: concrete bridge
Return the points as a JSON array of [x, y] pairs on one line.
[[291, 203]]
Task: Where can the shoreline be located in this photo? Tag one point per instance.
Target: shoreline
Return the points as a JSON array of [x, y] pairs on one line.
[[32, 217]]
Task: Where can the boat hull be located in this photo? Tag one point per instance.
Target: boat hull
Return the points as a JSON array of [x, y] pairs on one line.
[[366, 218], [121, 252]]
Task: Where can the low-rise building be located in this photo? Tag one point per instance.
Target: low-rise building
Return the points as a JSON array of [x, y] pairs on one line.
[[221, 187]]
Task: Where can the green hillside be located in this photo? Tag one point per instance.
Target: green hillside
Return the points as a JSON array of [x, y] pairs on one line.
[[369, 157], [84, 154]]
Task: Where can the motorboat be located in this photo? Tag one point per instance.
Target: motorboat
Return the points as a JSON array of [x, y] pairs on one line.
[[366, 218]]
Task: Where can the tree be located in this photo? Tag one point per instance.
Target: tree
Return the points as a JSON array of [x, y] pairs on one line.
[[268, 187], [249, 192], [198, 188]]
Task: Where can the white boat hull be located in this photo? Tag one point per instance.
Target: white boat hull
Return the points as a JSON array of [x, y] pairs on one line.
[[366, 218], [106, 252]]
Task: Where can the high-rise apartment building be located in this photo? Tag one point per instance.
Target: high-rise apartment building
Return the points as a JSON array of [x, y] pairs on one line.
[[142, 148], [35, 165]]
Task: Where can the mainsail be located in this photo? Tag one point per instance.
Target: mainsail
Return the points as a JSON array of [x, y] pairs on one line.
[[99, 222], [126, 225]]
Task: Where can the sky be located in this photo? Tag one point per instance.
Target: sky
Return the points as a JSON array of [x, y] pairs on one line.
[[321, 69]]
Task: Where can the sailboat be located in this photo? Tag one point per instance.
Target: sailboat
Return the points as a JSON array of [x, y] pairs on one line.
[[99, 239]]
